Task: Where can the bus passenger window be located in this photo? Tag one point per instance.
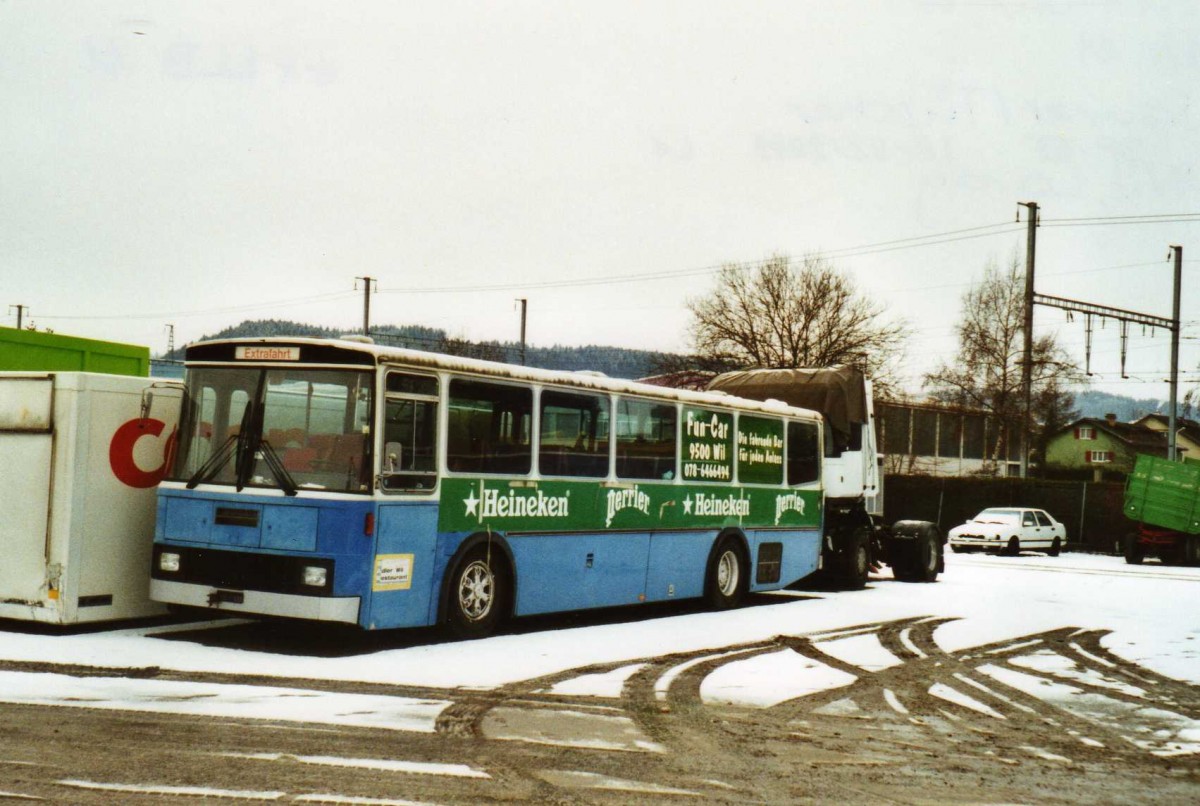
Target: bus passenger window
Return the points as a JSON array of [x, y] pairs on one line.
[[645, 433], [803, 453], [409, 460], [489, 428], [574, 435]]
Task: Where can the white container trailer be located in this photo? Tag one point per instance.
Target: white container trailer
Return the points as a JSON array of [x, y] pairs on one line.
[[80, 457]]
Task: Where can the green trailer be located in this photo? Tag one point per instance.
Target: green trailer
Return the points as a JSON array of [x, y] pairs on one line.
[[32, 351], [1163, 497]]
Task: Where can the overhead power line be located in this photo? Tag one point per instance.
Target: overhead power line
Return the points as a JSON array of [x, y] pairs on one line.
[[1119, 218], [913, 242], [847, 252], [1187, 218], [208, 311]]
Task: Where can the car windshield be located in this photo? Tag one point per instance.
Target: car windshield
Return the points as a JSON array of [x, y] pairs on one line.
[[998, 516], [298, 428]]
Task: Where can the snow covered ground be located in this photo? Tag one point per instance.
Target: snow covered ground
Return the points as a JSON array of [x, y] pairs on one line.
[[1054, 659], [1150, 610]]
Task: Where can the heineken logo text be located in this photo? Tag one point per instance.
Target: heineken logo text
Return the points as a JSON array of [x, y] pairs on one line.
[[723, 506], [535, 504]]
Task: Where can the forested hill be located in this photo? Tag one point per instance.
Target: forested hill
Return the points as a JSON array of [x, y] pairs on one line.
[[616, 362], [1099, 404]]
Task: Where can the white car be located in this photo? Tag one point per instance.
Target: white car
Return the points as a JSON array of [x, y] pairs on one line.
[[1008, 530]]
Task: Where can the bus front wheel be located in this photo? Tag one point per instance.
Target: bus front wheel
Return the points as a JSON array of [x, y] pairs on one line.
[[478, 592], [728, 576]]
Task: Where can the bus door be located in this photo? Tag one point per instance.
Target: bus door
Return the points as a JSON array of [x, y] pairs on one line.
[[403, 584]]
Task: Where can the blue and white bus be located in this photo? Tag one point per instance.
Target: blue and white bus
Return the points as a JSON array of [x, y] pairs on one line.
[[342, 481]]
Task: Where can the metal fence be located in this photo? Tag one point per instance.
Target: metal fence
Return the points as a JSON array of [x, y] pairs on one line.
[[1091, 511]]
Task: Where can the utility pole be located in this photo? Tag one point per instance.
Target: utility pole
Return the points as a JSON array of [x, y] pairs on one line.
[[20, 313], [1175, 323], [1089, 310], [366, 302], [1027, 363], [524, 306]]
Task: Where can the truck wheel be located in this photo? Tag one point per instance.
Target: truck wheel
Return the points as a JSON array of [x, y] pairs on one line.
[[1055, 548], [478, 594], [727, 578], [855, 560], [1134, 553], [921, 560]]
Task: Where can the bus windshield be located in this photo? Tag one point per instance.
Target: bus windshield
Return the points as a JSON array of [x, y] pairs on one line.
[[288, 428]]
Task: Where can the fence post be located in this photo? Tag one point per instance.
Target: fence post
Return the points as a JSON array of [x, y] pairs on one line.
[[1082, 510]]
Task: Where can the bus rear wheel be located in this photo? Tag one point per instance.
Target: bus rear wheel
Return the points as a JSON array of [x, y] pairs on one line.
[[478, 593], [727, 576]]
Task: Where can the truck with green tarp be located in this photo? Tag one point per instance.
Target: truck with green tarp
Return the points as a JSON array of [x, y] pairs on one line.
[[1163, 498]]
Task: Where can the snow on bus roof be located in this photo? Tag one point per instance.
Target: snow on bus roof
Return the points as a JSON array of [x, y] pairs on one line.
[[584, 380]]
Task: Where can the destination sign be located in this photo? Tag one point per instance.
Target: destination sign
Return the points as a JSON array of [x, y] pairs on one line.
[[267, 353]]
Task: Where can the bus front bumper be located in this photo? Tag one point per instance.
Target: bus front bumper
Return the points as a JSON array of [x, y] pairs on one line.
[[316, 608]]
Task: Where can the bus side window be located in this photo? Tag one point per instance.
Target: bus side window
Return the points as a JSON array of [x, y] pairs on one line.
[[570, 444], [803, 453], [489, 428], [645, 434]]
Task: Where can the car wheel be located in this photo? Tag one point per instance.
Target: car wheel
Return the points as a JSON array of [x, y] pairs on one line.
[[1134, 553], [1055, 547], [1013, 548], [958, 549]]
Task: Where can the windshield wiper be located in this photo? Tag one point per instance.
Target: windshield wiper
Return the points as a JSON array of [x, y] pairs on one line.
[[214, 464], [286, 482], [249, 435]]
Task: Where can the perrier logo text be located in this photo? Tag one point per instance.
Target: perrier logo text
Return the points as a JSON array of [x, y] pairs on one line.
[[633, 498]]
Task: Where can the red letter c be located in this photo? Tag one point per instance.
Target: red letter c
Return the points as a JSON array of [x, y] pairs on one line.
[[120, 453]]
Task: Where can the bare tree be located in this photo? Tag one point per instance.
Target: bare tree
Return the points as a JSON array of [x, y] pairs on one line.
[[779, 315], [986, 372]]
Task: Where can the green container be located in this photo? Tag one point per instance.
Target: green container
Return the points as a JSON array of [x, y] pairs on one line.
[[1164, 494], [30, 351]]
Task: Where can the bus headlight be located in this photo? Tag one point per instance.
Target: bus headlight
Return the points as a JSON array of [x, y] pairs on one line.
[[315, 575], [168, 561]]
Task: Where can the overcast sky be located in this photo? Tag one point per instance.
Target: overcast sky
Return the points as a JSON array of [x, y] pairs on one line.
[[203, 163]]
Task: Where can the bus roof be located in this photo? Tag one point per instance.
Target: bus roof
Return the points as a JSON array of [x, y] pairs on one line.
[[223, 351]]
